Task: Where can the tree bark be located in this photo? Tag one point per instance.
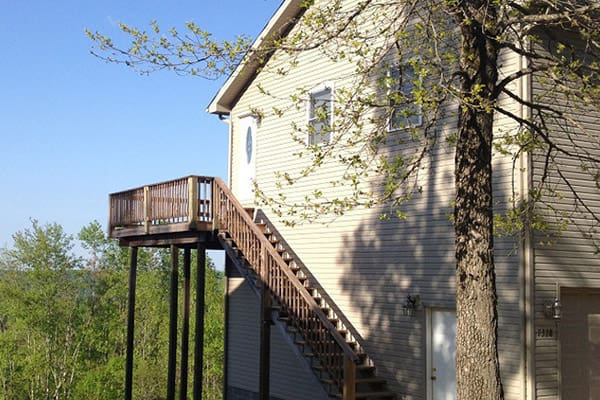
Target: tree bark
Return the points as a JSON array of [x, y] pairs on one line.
[[477, 367]]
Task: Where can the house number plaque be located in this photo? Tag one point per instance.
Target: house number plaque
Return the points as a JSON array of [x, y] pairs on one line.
[[544, 333]]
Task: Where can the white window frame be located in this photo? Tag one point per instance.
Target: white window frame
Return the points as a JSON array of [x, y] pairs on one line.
[[413, 121], [312, 136]]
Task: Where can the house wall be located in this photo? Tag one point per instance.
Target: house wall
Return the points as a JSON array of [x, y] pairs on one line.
[[289, 377], [369, 265], [569, 259]]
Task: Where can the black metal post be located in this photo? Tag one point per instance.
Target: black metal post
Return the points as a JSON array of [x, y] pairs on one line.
[[199, 333], [172, 363], [265, 344], [185, 328], [130, 323]]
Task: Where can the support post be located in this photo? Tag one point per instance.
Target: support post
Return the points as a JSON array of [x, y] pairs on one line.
[[199, 332], [172, 362], [349, 391], [147, 209], [130, 322], [185, 328], [192, 200], [265, 343]]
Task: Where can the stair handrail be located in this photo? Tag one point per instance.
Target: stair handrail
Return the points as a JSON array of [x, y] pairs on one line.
[[221, 187], [320, 291]]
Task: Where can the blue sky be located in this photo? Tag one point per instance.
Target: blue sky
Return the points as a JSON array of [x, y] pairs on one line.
[[74, 129]]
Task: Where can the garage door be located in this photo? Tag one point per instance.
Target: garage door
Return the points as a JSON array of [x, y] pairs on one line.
[[580, 344]]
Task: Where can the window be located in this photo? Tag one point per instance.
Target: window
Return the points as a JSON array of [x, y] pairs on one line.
[[249, 145], [320, 114], [405, 113]]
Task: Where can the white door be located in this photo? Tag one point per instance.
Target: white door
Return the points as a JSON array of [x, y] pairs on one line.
[[246, 159], [442, 355]]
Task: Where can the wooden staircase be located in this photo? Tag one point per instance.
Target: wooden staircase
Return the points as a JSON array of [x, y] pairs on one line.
[[311, 319], [190, 210]]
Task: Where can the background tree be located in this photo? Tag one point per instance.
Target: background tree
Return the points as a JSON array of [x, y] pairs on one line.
[[63, 318], [41, 290], [453, 49]]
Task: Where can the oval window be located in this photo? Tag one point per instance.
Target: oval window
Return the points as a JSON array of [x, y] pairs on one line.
[[249, 145]]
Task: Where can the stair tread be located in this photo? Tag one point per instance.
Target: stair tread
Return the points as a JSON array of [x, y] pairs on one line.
[[372, 379], [363, 367], [371, 395]]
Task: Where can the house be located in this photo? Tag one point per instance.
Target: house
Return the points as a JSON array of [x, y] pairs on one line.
[[369, 266], [359, 306]]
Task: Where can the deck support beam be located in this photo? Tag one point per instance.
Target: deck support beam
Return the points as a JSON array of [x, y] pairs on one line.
[[265, 343], [199, 332], [130, 322], [172, 362]]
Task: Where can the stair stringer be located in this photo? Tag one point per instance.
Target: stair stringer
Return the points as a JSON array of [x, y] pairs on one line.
[[245, 270]]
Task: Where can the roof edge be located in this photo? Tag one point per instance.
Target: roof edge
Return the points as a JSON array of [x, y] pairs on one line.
[[244, 73]]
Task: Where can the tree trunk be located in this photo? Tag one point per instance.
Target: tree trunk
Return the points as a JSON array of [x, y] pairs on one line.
[[477, 368]]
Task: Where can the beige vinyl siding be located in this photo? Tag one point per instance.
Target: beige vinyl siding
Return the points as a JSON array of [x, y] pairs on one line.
[[290, 379], [243, 333], [571, 259], [368, 265]]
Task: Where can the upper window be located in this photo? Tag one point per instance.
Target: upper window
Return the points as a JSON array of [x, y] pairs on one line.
[[405, 113], [320, 114]]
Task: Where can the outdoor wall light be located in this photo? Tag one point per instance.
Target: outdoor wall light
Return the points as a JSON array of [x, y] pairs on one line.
[[411, 304], [553, 309]]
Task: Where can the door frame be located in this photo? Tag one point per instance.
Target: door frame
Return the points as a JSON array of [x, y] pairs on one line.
[[428, 347]]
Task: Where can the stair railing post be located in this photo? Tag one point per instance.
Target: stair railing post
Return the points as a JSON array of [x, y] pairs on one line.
[[349, 389], [263, 272], [192, 200]]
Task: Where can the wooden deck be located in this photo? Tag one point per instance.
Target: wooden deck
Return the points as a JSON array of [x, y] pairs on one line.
[[178, 212]]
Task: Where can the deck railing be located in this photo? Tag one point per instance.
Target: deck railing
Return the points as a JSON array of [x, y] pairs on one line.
[[185, 200]]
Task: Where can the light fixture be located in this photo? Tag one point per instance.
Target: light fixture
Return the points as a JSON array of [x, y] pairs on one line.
[[553, 309], [411, 304]]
